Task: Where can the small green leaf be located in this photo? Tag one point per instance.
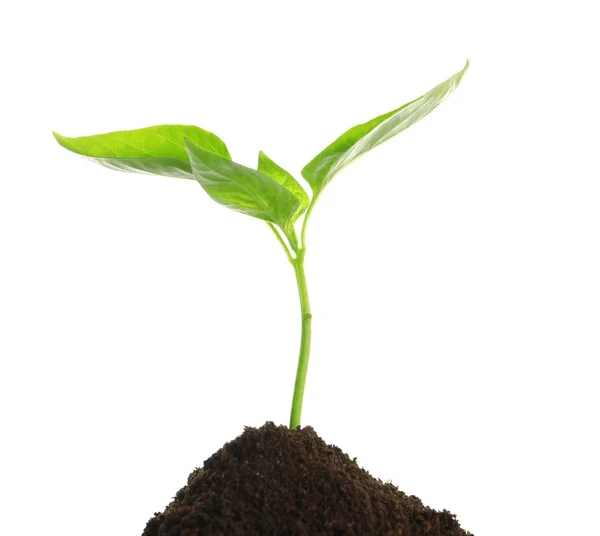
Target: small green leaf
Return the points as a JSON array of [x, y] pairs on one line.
[[243, 189], [159, 150], [362, 138], [270, 168]]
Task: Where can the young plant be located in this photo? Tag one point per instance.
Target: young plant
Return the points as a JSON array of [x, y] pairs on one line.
[[269, 192]]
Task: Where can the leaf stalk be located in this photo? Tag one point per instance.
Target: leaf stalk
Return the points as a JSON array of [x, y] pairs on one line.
[[282, 242]]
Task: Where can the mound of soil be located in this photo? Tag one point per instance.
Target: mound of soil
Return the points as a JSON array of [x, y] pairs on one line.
[[276, 481]]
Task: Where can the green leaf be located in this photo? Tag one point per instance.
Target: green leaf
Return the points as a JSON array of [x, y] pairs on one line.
[[270, 168], [362, 138], [158, 150], [243, 189]]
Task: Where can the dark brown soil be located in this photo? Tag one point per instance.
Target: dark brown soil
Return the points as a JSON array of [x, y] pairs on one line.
[[276, 481]]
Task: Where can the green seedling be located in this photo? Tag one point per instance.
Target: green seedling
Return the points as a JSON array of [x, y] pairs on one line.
[[269, 192]]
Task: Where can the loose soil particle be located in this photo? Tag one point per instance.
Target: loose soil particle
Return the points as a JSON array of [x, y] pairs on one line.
[[276, 481]]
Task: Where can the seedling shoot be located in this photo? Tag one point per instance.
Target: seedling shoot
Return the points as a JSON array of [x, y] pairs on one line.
[[268, 192]]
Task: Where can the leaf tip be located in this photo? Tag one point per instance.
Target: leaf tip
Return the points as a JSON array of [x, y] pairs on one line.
[[60, 139], [66, 142], [262, 159]]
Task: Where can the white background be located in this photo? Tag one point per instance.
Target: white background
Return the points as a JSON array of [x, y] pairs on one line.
[[454, 272]]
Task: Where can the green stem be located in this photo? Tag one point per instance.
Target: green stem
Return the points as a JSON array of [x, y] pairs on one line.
[[298, 264]]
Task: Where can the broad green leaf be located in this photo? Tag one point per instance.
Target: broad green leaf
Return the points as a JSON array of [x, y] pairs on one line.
[[362, 138], [243, 189], [158, 150], [270, 168]]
